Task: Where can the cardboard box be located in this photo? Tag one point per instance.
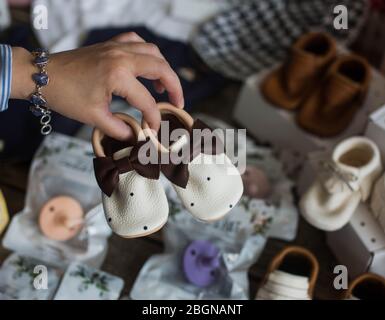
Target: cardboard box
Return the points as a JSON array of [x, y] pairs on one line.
[[360, 245], [376, 129], [278, 127], [306, 176]]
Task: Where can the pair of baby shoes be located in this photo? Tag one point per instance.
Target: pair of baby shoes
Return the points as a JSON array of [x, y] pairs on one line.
[[293, 273], [325, 88], [134, 201]]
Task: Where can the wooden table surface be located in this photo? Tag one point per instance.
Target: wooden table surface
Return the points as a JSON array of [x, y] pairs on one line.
[[126, 257]]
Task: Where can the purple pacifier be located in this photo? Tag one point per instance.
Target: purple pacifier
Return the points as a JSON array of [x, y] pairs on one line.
[[201, 262]]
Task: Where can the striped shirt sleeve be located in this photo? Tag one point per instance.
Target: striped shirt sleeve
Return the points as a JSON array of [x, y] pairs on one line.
[[5, 75]]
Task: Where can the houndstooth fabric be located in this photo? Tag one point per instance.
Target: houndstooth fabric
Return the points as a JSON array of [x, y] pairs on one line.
[[256, 34]]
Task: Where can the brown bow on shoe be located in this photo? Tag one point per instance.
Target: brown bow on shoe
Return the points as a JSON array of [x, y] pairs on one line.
[[178, 173], [107, 169]]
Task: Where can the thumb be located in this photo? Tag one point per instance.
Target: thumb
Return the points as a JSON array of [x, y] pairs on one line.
[[112, 126]]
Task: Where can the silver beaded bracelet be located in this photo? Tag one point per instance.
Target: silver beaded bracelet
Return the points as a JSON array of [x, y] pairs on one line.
[[39, 105]]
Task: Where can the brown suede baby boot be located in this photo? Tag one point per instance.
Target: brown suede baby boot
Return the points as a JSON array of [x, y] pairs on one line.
[[309, 58], [330, 108]]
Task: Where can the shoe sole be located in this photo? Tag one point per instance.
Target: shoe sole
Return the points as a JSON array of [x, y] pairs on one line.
[[211, 220], [146, 233]]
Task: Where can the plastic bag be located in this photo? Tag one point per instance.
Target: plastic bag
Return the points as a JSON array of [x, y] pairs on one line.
[[61, 166], [81, 282], [17, 279]]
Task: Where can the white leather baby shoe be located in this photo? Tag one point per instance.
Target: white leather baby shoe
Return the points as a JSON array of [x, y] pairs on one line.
[[291, 275], [206, 181], [342, 183], [134, 200], [377, 202]]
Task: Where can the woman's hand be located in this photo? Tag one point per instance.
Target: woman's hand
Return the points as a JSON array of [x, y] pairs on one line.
[[82, 81]]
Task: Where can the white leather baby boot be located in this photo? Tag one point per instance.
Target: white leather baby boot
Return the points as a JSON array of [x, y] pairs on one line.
[[134, 200], [292, 275], [343, 181], [377, 202], [204, 178]]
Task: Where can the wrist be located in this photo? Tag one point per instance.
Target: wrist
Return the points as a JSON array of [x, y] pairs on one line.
[[22, 71]]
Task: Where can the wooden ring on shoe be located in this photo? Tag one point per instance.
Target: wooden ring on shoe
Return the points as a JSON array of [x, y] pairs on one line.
[[164, 108], [97, 135]]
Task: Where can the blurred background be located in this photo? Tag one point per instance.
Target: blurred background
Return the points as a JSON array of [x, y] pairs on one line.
[[216, 47]]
